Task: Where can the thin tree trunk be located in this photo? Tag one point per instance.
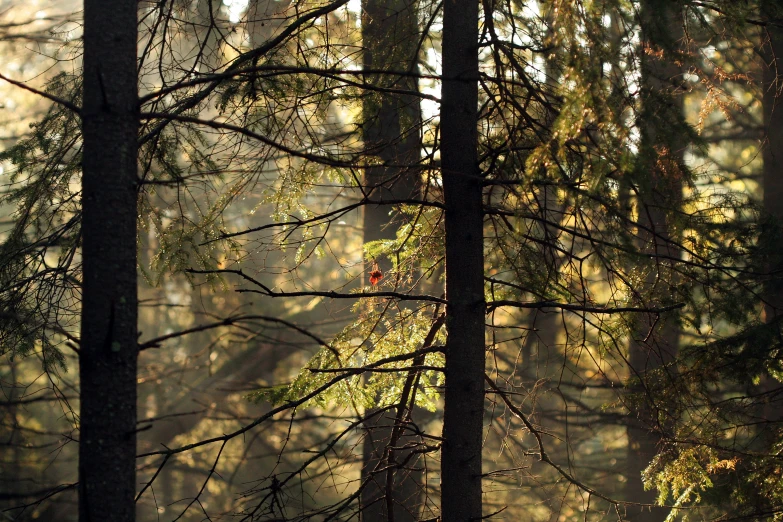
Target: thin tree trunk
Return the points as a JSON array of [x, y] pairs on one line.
[[548, 326], [390, 131], [465, 361], [108, 352], [659, 178]]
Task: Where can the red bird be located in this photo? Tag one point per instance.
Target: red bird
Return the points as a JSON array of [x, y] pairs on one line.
[[375, 274]]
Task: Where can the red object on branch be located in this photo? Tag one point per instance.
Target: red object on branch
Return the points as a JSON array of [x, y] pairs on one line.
[[375, 275]]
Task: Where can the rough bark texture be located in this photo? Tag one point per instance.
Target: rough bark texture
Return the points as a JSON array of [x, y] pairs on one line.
[[464, 395], [659, 180], [390, 130], [107, 448]]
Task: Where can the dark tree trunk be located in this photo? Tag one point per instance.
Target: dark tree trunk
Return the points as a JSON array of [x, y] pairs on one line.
[[107, 448], [464, 395], [772, 178], [390, 122], [390, 130], [659, 176], [772, 152]]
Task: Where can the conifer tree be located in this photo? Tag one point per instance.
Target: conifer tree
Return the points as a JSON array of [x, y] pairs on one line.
[[658, 177], [533, 174], [771, 47], [108, 347], [463, 416], [390, 125]]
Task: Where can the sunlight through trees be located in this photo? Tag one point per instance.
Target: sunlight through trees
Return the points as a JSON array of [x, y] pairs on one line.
[[391, 260]]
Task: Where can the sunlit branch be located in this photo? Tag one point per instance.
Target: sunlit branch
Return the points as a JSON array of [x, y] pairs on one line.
[[230, 321], [331, 215], [245, 58], [56, 99], [291, 404], [319, 454], [275, 70], [416, 368], [491, 305], [543, 455], [265, 290], [324, 160]]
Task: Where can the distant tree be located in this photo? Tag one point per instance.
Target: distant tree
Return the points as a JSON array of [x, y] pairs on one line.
[[658, 183], [771, 47], [263, 140], [717, 454], [391, 132]]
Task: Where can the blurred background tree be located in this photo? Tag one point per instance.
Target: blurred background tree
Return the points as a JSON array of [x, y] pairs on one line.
[[627, 257]]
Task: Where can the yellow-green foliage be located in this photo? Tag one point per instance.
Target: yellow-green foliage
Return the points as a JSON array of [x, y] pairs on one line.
[[377, 334]]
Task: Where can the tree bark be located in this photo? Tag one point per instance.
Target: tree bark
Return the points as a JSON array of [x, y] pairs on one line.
[[772, 152], [108, 352], [461, 496], [772, 232], [659, 179], [390, 131], [390, 122]]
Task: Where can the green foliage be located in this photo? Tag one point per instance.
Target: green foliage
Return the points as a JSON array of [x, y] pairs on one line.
[[687, 478], [378, 334], [38, 261], [418, 245]]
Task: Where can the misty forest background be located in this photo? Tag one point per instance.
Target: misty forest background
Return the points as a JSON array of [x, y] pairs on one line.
[[391, 260]]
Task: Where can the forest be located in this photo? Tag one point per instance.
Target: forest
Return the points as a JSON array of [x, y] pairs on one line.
[[391, 260]]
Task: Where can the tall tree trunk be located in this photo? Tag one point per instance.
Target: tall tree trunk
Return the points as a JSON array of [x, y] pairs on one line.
[[465, 361], [390, 121], [659, 180], [547, 326], [108, 353], [772, 152], [772, 179], [390, 131]]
